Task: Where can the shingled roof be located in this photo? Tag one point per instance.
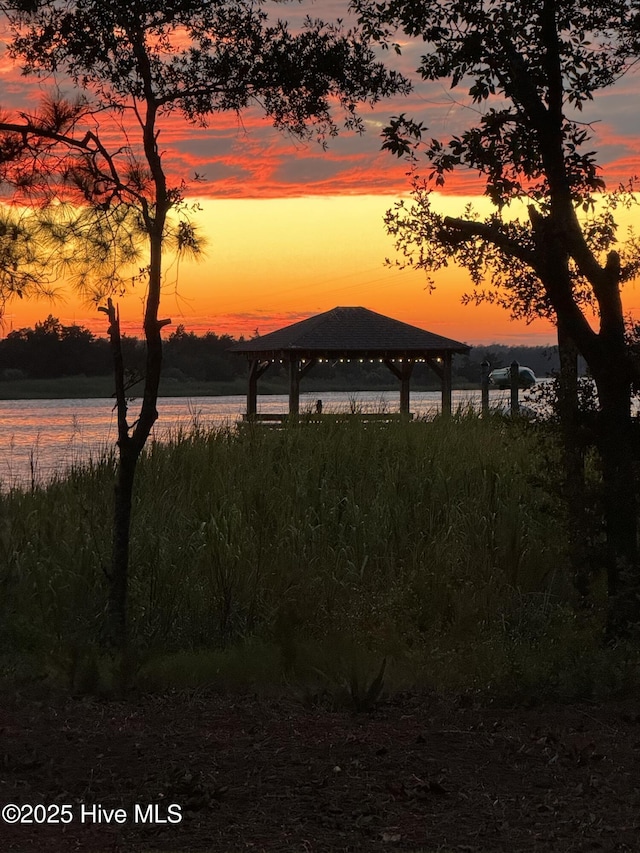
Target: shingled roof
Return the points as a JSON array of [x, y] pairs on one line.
[[347, 333]]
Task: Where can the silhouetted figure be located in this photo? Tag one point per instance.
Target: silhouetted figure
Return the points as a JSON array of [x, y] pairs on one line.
[[318, 407]]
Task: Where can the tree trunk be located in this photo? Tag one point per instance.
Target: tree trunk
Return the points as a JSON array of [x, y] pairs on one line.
[[573, 459], [620, 505], [131, 444], [606, 354], [117, 626]]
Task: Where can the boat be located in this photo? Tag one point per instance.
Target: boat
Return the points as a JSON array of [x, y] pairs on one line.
[[502, 377]]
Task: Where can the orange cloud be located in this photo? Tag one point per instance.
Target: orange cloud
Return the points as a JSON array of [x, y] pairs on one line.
[[245, 157], [294, 230]]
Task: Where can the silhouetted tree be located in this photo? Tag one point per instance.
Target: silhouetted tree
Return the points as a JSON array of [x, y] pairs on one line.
[[138, 65], [202, 357], [549, 247], [51, 349], [24, 268]]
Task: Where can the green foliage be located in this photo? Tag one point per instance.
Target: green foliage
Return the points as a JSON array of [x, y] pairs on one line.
[[24, 270], [549, 247], [197, 59], [508, 52], [311, 555], [525, 70], [136, 66]]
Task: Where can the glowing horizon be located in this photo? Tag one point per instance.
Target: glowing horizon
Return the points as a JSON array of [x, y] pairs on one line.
[[265, 268], [294, 230]]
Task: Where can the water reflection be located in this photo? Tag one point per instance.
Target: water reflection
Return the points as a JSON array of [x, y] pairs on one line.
[[41, 438]]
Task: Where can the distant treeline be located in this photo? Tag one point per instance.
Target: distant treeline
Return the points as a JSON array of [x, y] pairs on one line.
[[51, 350]]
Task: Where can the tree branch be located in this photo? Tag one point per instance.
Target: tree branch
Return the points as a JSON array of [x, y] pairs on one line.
[[470, 228]]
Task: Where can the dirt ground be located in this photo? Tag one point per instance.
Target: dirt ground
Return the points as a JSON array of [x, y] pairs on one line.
[[269, 774]]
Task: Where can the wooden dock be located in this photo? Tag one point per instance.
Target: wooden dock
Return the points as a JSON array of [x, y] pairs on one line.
[[280, 419]]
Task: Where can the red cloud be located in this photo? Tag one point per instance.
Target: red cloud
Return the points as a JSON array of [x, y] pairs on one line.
[[244, 157]]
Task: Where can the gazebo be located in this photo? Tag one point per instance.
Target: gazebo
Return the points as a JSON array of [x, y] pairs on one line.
[[344, 334]]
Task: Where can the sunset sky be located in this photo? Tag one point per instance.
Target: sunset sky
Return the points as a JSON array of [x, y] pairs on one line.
[[293, 230]]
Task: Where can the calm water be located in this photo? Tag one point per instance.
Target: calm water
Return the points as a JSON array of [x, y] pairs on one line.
[[41, 438]]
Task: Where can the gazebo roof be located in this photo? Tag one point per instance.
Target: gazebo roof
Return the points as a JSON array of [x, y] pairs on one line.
[[348, 333]]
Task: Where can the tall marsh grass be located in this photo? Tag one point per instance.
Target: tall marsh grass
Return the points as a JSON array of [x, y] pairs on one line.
[[437, 546]]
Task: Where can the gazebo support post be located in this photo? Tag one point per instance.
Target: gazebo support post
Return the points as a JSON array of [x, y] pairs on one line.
[[296, 371], [403, 371], [256, 369], [446, 385], [405, 387], [442, 368], [294, 388]]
